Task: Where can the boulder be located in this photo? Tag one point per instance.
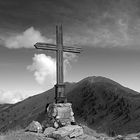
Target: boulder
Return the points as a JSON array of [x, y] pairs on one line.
[[76, 130], [60, 134], [48, 131], [70, 131], [61, 113], [34, 126], [67, 138], [85, 137]]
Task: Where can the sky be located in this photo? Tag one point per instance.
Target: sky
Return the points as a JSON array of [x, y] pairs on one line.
[[108, 31]]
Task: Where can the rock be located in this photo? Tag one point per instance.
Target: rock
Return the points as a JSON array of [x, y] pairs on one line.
[[68, 131], [62, 113], [132, 138], [48, 131], [76, 130], [66, 138], [60, 134], [119, 137], [135, 138], [34, 126], [106, 138], [56, 125], [85, 137]]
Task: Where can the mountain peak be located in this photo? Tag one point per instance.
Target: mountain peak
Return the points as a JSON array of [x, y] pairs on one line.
[[97, 79]]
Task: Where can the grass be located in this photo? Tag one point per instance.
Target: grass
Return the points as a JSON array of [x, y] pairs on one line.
[[20, 135], [89, 135]]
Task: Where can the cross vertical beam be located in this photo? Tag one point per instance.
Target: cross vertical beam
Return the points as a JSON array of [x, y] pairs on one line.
[[59, 54], [60, 96], [59, 87]]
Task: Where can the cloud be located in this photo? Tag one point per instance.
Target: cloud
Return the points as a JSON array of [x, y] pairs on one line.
[[14, 96], [27, 39], [108, 35], [68, 58], [44, 68], [94, 23], [102, 37]]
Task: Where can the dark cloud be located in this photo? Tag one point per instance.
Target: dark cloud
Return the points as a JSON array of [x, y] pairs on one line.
[[93, 22]]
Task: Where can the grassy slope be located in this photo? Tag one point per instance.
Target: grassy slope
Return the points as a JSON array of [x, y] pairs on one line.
[[17, 135], [4, 106], [106, 105], [21, 114]]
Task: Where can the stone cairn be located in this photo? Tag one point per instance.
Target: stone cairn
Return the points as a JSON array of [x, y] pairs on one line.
[[59, 124], [60, 116]]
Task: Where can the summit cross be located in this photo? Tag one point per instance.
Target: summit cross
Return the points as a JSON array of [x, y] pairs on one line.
[[59, 48]]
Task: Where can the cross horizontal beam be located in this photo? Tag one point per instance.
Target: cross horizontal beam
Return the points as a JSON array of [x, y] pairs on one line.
[[53, 47]]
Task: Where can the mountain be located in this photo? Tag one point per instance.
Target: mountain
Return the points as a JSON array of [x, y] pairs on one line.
[[100, 103], [4, 106], [106, 105]]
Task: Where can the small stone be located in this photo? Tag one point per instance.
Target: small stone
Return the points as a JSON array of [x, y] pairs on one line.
[[86, 137], [77, 131], [60, 134], [56, 125], [119, 137], [66, 138], [134, 138], [48, 131], [34, 126], [127, 138], [106, 138], [71, 131]]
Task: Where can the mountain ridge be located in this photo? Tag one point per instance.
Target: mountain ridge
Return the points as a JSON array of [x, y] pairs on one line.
[[99, 102]]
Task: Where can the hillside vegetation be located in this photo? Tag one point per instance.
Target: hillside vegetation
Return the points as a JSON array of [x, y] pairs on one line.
[[106, 106]]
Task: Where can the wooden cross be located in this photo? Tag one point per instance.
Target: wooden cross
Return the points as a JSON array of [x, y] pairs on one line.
[[60, 96]]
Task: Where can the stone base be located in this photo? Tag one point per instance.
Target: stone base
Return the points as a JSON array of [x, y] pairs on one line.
[[60, 114]]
